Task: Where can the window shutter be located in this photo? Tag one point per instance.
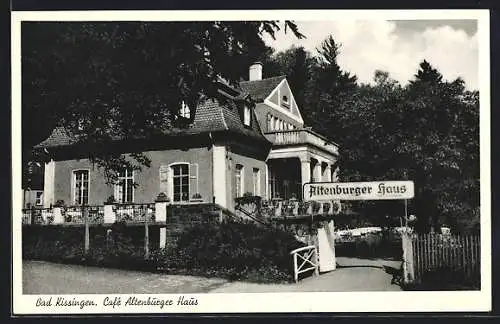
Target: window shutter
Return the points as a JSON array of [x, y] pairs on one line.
[[164, 180], [193, 179]]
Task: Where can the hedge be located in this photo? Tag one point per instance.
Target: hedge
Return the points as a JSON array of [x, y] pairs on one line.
[[235, 251]]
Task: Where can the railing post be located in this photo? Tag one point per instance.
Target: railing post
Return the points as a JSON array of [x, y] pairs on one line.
[[85, 213], [277, 211], [109, 214], [295, 211], [58, 217], [161, 216]]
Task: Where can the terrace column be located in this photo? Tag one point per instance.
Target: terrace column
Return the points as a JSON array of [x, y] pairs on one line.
[[327, 174], [305, 169], [219, 172], [334, 174], [317, 171], [49, 184]]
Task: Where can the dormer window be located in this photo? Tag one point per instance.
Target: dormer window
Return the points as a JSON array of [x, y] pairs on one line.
[[184, 110], [246, 116]]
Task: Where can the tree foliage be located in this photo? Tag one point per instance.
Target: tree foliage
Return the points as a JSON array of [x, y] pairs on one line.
[[426, 131], [127, 79]]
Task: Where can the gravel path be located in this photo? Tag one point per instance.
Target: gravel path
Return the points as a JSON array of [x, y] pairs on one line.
[[52, 278], [352, 275]]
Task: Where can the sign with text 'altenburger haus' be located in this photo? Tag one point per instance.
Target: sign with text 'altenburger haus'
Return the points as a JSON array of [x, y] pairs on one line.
[[377, 190]]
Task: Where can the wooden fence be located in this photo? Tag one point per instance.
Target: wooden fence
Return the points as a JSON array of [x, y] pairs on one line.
[[457, 253]]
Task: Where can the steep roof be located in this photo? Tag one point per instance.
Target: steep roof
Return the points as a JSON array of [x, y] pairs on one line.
[[261, 89], [211, 116]]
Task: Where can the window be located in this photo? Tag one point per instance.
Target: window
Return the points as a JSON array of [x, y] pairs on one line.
[[256, 181], [185, 111], [269, 122], [246, 116], [276, 123], [284, 102], [81, 187], [180, 175], [124, 189], [239, 180], [39, 198]]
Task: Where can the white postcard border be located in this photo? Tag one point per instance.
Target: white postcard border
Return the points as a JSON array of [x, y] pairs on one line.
[[268, 302]]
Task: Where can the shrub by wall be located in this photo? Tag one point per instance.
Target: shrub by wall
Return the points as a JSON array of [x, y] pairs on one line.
[[445, 279], [237, 251], [123, 248]]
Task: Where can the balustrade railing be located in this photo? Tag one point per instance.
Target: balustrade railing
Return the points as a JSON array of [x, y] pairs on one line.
[[75, 215], [39, 216], [278, 208], [135, 213], [301, 136]]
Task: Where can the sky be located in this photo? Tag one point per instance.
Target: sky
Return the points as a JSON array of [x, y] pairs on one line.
[[394, 46]]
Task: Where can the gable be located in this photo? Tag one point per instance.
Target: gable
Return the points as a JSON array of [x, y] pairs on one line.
[[282, 101]]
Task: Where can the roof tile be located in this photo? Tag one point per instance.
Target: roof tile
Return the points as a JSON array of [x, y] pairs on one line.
[[261, 89], [211, 116]]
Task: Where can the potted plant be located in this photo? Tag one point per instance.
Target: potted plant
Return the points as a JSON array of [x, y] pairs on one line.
[[248, 198], [196, 198], [59, 203], [162, 197], [110, 201]]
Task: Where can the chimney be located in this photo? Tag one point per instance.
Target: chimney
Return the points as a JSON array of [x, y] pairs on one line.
[[255, 72]]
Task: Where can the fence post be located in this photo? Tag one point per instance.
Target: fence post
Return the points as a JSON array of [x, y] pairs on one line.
[[295, 274], [316, 261], [32, 218], [409, 273], [85, 212], [146, 233]]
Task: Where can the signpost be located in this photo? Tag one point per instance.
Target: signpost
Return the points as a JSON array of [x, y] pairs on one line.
[[375, 190]]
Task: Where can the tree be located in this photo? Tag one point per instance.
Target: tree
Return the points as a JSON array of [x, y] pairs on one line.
[[427, 132], [327, 88], [126, 79]]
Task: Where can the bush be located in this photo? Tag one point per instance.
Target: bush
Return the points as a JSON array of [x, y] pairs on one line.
[[445, 278], [227, 250], [233, 251]]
